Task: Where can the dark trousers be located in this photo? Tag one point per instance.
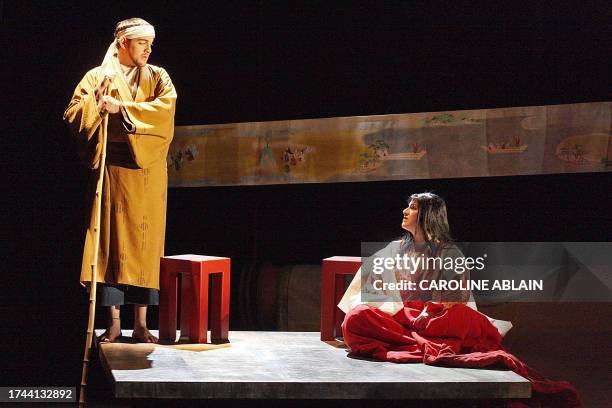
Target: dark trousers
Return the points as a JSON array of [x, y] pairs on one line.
[[109, 295]]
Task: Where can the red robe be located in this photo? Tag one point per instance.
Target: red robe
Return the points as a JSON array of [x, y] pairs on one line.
[[458, 337]]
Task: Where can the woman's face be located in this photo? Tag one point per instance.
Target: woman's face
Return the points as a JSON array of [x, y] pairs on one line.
[[411, 214]]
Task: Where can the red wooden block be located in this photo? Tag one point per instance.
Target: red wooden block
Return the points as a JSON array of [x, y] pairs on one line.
[[196, 271], [332, 288]]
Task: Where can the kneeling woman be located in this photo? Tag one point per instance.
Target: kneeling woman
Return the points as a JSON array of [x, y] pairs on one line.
[[414, 324]]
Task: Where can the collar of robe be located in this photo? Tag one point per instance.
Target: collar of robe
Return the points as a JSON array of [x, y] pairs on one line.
[[111, 67], [120, 82]]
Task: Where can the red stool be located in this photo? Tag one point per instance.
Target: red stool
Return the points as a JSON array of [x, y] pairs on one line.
[[195, 270], [333, 273]]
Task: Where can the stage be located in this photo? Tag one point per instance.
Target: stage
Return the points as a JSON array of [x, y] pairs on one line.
[[287, 365]]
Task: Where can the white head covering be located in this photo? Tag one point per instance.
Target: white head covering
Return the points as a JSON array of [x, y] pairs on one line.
[[139, 31]]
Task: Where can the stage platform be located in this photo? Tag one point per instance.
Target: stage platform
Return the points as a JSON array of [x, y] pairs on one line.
[[291, 365]]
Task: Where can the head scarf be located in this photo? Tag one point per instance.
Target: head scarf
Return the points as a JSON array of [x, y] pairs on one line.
[[139, 31]]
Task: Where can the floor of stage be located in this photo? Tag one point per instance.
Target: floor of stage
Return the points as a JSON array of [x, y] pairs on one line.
[[288, 365]]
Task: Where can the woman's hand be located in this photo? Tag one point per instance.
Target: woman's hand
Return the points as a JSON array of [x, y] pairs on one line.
[[421, 321]]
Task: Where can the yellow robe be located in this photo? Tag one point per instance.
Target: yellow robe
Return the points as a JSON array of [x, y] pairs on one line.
[[133, 218]]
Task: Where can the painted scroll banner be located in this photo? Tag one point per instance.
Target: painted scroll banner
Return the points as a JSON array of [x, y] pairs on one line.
[[470, 143]]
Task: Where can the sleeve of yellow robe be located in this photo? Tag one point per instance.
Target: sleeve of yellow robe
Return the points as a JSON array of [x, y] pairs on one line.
[[83, 120], [153, 122]]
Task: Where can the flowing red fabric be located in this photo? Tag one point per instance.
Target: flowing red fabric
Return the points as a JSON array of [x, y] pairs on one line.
[[458, 337]]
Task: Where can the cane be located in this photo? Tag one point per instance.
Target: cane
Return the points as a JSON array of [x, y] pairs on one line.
[[94, 263]]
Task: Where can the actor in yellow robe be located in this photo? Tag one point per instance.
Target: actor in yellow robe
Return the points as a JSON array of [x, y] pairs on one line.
[[140, 103]]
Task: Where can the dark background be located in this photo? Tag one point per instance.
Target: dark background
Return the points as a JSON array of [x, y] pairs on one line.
[[261, 61]]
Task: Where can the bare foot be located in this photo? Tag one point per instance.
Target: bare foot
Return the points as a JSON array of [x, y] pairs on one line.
[[142, 335], [110, 335]]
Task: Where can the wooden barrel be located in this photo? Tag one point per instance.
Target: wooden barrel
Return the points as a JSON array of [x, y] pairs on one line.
[[288, 297]]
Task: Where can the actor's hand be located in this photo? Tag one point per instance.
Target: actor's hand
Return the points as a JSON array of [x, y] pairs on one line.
[[421, 321], [110, 104], [101, 89]]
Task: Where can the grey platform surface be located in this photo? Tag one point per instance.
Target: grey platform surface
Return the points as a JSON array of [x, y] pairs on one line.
[[293, 365]]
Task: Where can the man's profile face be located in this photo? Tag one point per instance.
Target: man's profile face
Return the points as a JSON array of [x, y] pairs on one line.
[[139, 50]]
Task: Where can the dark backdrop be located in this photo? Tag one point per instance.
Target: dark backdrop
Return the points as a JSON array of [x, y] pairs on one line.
[[261, 61]]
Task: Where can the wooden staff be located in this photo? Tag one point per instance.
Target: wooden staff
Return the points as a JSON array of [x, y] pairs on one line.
[[94, 262]]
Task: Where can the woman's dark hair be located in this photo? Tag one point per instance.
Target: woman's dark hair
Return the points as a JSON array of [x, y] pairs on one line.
[[432, 219]]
